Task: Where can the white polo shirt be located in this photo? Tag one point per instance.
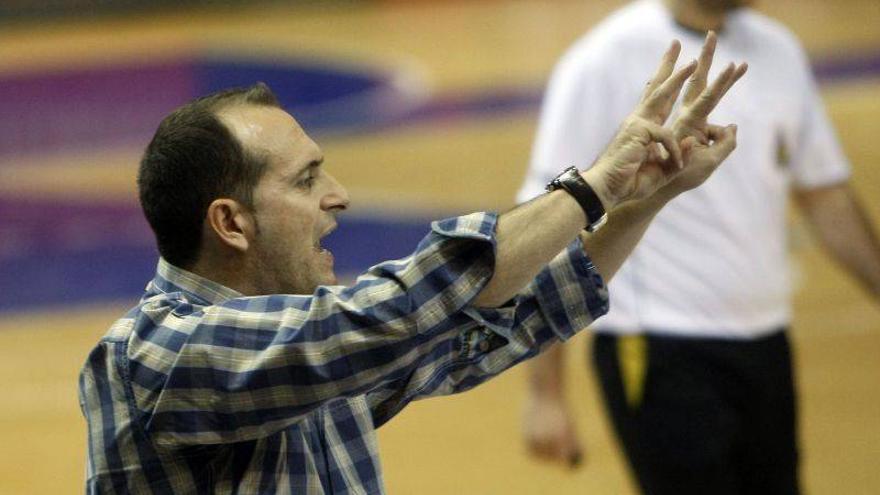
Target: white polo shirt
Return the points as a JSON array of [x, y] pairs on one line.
[[714, 261]]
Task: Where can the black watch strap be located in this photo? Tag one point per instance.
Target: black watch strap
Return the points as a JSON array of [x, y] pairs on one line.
[[571, 180]]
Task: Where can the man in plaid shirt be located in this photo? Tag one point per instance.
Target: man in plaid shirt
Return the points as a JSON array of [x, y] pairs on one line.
[[245, 369]]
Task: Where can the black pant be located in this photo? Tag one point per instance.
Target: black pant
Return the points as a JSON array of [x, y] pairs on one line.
[[702, 416]]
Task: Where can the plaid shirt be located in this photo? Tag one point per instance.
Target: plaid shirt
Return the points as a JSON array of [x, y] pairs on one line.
[[199, 389]]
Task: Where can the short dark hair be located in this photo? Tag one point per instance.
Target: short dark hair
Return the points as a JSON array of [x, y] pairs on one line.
[[192, 160]]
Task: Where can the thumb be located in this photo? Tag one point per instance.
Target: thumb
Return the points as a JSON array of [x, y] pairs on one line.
[[724, 140]]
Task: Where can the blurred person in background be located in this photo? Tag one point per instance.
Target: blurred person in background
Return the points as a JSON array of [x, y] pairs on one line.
[[693, 357], [245, 368]]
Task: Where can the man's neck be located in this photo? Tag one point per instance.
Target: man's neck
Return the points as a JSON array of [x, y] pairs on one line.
[[692, 15], [221, 273]]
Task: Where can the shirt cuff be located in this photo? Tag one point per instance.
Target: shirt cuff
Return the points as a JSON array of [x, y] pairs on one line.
[[570, 292], [479, 226]]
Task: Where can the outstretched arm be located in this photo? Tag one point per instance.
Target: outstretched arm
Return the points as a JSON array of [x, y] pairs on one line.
[[641, 169]]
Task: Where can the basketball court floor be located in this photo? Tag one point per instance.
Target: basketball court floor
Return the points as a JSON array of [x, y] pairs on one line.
[[424, 109]]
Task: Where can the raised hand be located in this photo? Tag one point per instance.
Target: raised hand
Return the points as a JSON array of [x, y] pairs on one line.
[[645, 156], [634, 166], [704, 145], [698, 100]]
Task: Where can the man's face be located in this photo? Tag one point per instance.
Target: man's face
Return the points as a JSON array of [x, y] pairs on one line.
[[295, 202]]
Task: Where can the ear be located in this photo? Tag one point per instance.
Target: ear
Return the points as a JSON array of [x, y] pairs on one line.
[[232, 223]]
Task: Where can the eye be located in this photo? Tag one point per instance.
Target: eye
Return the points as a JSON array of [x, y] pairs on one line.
[[306, 183], [309, 180]]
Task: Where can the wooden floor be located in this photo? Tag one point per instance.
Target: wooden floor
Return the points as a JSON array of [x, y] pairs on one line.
[[467, 444]]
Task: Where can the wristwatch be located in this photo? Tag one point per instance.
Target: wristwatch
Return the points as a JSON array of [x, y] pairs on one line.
[[570, 179]]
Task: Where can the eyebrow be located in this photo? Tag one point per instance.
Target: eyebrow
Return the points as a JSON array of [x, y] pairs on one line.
[[311, 165]]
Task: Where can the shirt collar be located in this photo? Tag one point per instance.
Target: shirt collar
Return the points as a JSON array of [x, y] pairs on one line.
[[170, 278]]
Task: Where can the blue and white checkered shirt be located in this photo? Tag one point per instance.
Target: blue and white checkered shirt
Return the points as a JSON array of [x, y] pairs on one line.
[[199, 389]]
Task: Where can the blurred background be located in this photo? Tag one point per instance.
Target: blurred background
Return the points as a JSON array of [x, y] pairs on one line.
[[424, 109]]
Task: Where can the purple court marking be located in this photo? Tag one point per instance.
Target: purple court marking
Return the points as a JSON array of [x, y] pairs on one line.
[[54, 252], [60, 253], [99, 107], [30, 227], [854, 66], [89, 108]]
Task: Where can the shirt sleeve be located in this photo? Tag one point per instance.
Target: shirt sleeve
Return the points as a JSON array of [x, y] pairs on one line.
[[251, 366], [565, 297], [817, 159]]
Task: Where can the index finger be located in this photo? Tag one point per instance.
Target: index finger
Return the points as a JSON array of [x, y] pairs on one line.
[[667, 64]]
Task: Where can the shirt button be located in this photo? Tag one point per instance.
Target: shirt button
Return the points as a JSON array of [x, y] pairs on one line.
[[484, 346]]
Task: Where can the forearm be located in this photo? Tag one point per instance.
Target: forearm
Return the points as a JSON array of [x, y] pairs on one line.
[[546, 372], [610, 246], [845, 231], [530, 235]]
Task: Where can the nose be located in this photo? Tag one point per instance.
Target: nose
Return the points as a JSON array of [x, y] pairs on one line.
[[336, 197]]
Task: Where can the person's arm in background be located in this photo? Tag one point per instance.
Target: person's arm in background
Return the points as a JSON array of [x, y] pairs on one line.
[[844, 230], [821, 189]]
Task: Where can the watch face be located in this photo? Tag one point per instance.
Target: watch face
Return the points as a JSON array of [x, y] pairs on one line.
[[566, 174]]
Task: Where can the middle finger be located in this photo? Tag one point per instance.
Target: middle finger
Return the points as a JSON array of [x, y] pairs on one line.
[[701, 75], [658, 106], [710, 96]]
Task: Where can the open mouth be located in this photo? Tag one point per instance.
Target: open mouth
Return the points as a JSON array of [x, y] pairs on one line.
[[318, 244], [321, 249]]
